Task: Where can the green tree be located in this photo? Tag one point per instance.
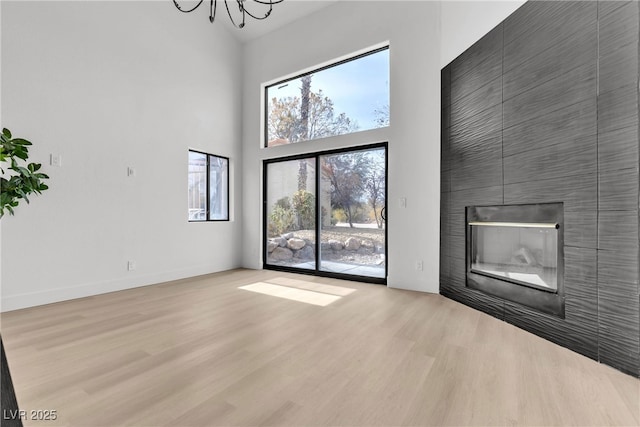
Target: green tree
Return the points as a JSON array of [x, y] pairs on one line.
[[345, 173], [375, 183], [283, 119], [310, 116], [356, 179], [286, 118], [305, 92]]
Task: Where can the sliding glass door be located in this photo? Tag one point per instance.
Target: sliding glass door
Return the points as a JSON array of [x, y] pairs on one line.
[[291, 213], [353, 238], [325, 213]]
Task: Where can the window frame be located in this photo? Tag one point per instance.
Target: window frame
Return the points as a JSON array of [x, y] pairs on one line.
[[354, 57], [317, 271], [208, 157]]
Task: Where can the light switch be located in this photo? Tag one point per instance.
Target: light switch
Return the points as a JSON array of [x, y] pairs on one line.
[[55, 160], [403, 202], [131, 171]]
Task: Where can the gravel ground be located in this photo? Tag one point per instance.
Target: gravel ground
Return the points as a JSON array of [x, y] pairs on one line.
[[374, 235]]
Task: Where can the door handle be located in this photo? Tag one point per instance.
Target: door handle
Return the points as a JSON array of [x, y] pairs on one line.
[[383, 213]]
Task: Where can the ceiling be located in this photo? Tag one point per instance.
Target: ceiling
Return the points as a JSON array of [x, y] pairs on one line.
[[282, 14]]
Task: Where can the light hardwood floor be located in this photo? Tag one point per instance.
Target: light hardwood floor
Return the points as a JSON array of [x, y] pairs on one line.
[[203, 352]]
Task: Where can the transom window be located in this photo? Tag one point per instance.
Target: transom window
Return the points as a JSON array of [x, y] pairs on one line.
[[342, 98], [208, 187]]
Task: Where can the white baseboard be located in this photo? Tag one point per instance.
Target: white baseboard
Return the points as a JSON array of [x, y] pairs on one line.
[[49, 296], [414, 286]]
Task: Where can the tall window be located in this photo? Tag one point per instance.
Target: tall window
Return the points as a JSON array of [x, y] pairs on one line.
[[208, 187], [346, 97]]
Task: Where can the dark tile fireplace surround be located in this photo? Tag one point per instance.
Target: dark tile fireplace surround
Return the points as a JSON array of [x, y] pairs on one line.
[[544, 110], [516, 252]]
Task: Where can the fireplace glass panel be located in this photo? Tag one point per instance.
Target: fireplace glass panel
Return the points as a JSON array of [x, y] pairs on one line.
[[525, 254]]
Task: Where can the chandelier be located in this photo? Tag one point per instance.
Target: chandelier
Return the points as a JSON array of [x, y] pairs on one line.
[[264, 6]]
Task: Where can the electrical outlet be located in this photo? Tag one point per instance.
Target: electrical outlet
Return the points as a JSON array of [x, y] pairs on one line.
[[419, 265], [131, 265]]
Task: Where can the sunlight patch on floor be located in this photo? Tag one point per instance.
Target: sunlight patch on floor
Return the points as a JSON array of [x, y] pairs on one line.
[[290, 293], [312, 286]]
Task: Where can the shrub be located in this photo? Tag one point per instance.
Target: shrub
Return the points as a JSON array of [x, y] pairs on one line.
[[304, 204], [281, 220], [284, 203], [338, 215]]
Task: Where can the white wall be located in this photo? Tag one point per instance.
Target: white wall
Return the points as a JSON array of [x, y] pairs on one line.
[[412, 28], [108, 85], [465, 22]]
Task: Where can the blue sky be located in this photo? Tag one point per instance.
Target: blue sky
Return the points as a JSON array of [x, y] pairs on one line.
[[356, 88]]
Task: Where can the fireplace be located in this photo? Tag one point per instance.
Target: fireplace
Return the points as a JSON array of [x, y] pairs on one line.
[[516, 252]]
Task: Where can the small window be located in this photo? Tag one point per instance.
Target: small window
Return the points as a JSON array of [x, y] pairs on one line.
[[346, 97], [208, 187]]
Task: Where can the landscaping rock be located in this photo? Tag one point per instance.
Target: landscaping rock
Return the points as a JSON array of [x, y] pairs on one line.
[[271, 245], [368, 244], [295, 244], [305, 253], [281, 254], [370, 253], [352, 244], [287, 236], [336, 245], [280, 241], [364, 251]]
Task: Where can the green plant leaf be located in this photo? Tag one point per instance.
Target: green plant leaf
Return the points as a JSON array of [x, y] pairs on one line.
[[8, 146], [22, 170], [18, 182], [21, 141], [21, 153]]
